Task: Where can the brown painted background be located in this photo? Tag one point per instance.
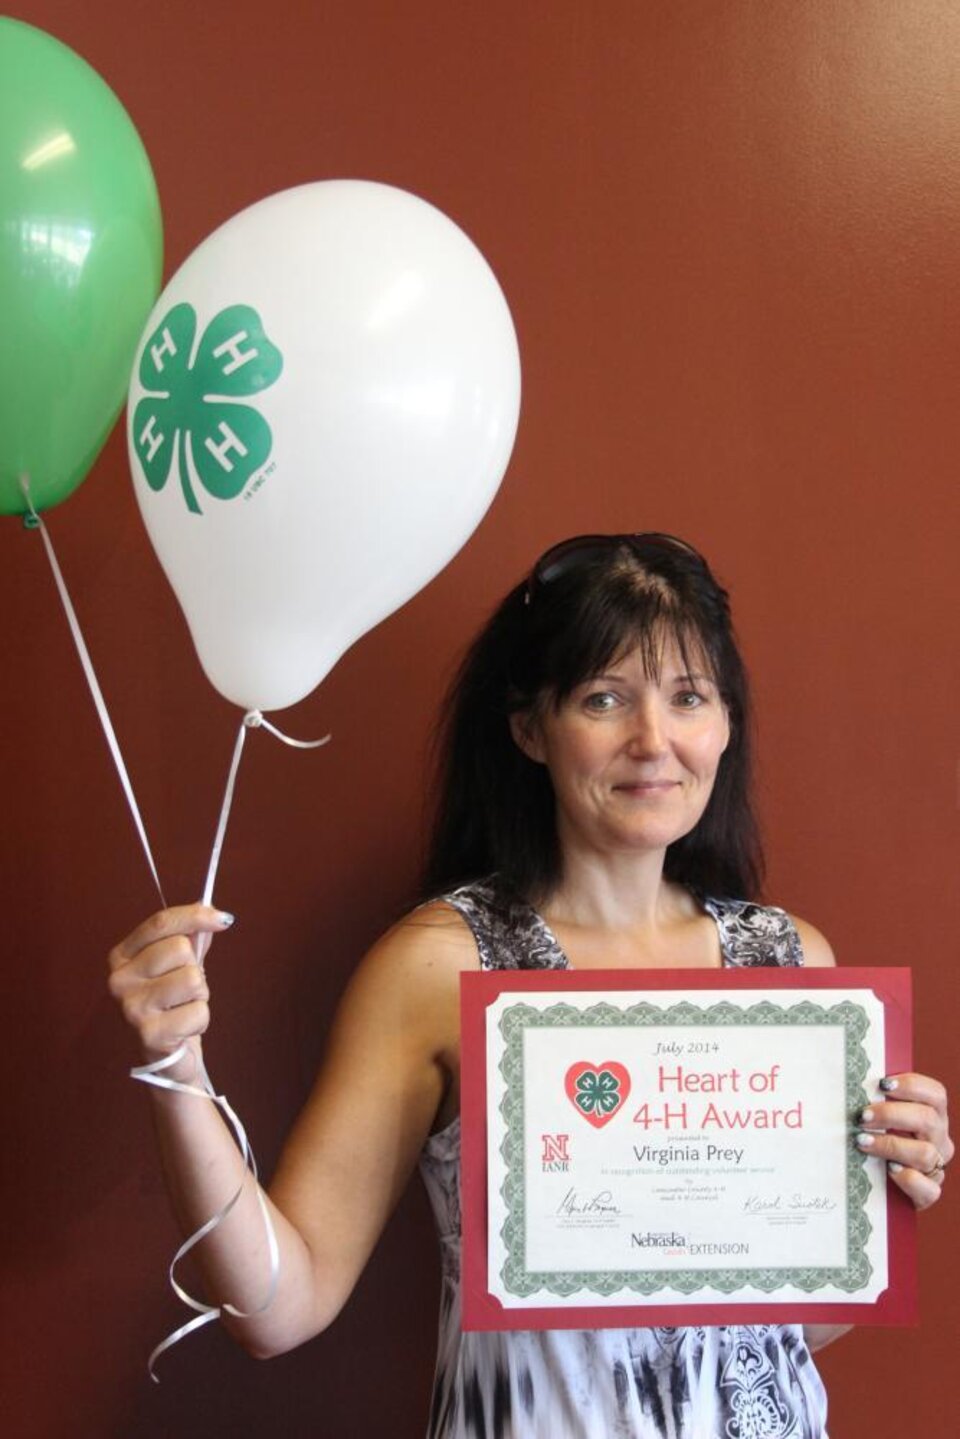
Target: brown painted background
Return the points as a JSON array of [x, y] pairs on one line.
[[729, 231]]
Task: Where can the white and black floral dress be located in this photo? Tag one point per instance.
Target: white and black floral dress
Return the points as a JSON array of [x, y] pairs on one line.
[[729, 1382]]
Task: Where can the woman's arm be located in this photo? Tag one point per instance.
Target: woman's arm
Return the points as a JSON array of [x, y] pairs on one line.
[[907, 1126], [818, 1336], [391, 1056]]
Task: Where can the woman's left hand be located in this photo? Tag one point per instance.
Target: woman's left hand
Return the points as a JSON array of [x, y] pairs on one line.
[[908, 1127]]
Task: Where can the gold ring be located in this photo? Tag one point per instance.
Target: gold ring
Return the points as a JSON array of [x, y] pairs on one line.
[[938, 1168]]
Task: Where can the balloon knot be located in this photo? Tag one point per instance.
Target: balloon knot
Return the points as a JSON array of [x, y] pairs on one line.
[[31, 522], [253, 719]]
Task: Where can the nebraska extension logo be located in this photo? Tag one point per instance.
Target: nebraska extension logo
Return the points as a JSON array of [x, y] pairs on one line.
[[191, 422]]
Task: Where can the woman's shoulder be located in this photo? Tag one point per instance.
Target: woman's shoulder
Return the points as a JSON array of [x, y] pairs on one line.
[[409, 979], [481, 925], [434, 932], [817, 951], [754, 931]]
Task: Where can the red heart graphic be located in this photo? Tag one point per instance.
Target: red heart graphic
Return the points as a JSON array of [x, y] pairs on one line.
[[599, 1101]]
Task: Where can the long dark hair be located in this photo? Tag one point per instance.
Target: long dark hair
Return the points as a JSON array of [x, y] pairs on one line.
[[586, 603]]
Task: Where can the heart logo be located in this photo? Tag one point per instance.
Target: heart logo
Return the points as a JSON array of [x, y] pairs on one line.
[[597, 1091]]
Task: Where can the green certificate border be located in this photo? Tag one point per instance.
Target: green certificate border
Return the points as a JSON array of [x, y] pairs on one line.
[[850, 1017]]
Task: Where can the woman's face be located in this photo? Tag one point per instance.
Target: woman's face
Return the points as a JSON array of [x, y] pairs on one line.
[[633, 759]]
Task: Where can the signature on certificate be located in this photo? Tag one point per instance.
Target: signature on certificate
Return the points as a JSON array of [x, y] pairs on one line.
[[788, 1203], [602, 1203]]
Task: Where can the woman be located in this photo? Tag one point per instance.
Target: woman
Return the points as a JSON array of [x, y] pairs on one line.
[[594, 811]]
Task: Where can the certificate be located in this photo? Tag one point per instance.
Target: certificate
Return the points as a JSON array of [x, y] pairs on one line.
[[651, 1147]]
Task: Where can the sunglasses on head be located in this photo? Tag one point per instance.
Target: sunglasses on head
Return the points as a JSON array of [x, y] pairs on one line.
[[569, 554]]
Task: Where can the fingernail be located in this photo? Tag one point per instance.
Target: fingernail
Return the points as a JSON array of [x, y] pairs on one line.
[[889, 1084], [866, 1116], [225, 919], [864, 1140], [894, 1167]]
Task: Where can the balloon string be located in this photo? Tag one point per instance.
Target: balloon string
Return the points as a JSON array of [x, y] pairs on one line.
[[153, 1074], [253, 719], [99, 702]]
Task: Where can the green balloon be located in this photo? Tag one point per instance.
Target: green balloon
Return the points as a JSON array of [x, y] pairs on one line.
[[81, 252]]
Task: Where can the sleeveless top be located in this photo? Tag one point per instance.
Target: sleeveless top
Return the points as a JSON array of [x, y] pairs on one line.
[[730, 1382]]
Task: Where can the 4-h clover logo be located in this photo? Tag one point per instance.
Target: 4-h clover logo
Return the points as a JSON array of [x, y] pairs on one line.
[[192, 419], [597, 1091]]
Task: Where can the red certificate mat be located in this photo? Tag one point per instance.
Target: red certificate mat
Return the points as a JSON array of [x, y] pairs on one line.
[[593, 1086]]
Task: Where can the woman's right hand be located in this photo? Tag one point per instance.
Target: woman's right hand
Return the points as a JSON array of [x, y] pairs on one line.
[[159, 984], [391, 1061]]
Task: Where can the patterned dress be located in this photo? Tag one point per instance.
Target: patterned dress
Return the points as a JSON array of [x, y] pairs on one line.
[[730, 1382]]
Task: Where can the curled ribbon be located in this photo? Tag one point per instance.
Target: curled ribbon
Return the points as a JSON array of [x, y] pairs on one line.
[[154, 1073], [206, 1313]]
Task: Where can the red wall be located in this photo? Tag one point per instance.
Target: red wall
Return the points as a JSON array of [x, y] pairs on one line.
[[728, 230]]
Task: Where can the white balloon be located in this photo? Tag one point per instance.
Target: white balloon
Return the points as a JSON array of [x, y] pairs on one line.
[[322, 408]]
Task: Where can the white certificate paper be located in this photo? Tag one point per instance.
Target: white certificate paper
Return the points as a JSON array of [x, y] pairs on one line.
[[651, 1148]]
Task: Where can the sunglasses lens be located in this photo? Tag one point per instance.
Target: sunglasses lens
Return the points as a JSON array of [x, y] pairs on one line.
[[567, 555], [570, 553]]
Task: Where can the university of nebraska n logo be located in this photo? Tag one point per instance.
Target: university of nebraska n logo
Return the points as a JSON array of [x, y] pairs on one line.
[[555, 1156]]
